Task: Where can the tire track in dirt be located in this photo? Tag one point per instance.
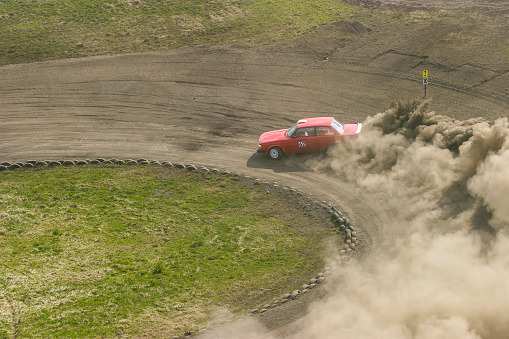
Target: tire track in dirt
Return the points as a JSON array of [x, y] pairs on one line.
[[209, 113], [153, 105], [166, 105]]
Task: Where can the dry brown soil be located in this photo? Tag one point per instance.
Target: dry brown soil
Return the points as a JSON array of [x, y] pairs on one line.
[[208, 105]]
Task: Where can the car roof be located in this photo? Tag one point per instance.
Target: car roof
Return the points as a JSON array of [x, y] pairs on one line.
[[312, 122]]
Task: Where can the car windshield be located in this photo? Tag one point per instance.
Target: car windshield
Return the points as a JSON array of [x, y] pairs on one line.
[[292, 130], [337, 126]]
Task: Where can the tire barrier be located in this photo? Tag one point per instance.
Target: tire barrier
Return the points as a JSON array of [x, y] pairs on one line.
[[308, 285], [341, 223]]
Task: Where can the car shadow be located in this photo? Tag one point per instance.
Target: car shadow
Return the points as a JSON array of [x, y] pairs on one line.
[[292, 163]]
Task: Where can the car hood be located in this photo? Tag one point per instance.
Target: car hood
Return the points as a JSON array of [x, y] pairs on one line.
[[351, 129], [273, 135]]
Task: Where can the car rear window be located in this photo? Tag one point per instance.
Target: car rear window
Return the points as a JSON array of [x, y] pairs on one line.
[[324, 130]]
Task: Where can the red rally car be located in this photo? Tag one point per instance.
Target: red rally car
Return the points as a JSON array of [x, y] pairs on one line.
[[307, 135]]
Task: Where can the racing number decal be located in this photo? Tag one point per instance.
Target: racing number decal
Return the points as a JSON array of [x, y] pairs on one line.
[[302, 144]]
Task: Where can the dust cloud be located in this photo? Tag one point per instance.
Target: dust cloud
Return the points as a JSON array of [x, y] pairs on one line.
[[444, 270], [240, 329], [441, 165], [447, 275]]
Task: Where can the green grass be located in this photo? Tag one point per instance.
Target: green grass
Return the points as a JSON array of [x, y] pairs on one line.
[[104, 251], [38, 30], [35, 30]]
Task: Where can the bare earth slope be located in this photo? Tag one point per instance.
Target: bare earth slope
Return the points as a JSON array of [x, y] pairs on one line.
[[207, 106]]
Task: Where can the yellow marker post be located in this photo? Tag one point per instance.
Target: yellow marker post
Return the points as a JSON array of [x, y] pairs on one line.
[[425, 80]]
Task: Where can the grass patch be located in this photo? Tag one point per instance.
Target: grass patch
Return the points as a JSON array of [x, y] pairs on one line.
[[102, 251], [35, 30], [38, 30]]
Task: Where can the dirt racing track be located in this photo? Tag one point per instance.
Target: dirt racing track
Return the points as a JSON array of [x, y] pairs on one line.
[[207, 106]]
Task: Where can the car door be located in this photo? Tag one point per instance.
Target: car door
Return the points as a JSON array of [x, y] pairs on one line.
[[303, 140], [325, 136]]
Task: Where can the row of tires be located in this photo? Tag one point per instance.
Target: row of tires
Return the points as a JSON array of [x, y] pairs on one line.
[[52, 163]]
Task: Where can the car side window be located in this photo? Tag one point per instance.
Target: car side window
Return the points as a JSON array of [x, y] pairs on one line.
[[305, 132], [324, 130]]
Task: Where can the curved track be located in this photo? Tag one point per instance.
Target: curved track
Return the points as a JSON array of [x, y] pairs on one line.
[[208, 106]]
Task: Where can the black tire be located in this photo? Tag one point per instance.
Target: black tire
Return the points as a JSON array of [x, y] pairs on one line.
[[275, 153]]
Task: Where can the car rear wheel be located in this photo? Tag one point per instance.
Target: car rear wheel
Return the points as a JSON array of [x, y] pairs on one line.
[[275, 153], [331, 148]]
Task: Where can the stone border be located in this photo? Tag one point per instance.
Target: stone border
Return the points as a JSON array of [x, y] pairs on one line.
[[341, 223]]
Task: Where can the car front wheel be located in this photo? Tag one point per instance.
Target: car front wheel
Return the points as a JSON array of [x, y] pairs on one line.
[[275, 153]]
